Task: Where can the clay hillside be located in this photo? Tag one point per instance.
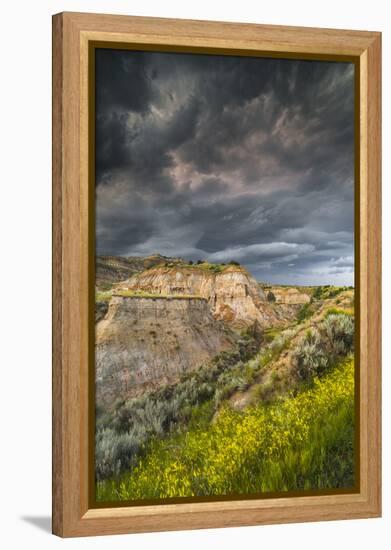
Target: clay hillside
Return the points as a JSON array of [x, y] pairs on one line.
[[170, 317], [180, 345]]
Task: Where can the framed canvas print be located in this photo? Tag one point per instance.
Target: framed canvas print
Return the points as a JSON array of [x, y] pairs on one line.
[[216, 239]]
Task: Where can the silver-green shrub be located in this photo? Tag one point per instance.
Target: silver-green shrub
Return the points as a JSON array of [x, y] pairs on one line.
[[319, 349]]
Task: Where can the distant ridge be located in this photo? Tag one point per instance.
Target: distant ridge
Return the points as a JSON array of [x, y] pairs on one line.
[[114, 269]]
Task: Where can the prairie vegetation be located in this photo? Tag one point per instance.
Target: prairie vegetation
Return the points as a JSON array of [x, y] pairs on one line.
[[295, 431], [203, 265], [301, 442], [123, 432]]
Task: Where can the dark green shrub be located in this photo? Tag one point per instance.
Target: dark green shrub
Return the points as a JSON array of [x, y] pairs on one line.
[[317, 295], [271, 297], [304, 312]]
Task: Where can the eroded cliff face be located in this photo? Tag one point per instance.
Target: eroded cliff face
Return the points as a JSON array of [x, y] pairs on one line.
[[233, 295], [143, 343], [290, 295]]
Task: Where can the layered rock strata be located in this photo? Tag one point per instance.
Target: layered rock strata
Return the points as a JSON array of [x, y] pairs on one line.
[[143, 343]]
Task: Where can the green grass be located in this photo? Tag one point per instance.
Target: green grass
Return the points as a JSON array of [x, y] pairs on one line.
[[204, 266], [207, 266], [103, 286], [339, 311], [103, 295], [302, 442]]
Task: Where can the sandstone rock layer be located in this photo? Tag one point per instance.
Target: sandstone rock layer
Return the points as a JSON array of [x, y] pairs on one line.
[[233, 295]]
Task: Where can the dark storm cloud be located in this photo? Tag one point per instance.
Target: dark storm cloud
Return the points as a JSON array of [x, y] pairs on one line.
[[122, 81], [227, 158]]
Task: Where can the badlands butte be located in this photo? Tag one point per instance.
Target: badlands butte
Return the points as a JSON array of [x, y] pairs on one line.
[[159, 318], [193, 359]]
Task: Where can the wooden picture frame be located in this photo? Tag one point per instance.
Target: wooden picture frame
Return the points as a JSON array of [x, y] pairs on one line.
[[73, 33]]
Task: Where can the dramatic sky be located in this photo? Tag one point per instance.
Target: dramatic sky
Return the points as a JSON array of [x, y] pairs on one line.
[[227, 158]]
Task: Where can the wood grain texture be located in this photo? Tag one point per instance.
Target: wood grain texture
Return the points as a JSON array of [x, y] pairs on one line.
[[222, 34], [373, 261], [71, 36], [57, 270]]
